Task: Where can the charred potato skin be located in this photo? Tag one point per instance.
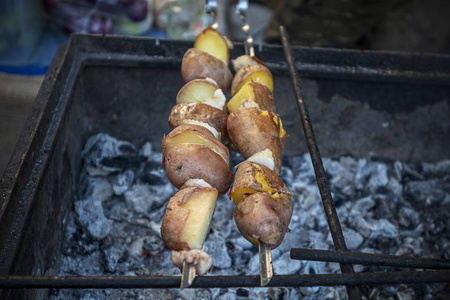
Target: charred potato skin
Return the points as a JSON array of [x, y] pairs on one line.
[[265, 218], [214, 117], [197, 64], [245, 177], [175, 219], [191, 161], [251, 132]]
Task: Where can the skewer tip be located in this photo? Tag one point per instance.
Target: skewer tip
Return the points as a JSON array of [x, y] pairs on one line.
[[187, 275], [265, 264]]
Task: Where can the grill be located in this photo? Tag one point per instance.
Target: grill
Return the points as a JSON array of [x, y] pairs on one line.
[[84, 93]]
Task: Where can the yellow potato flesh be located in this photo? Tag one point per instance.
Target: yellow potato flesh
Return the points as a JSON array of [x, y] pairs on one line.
[[277, 120], [244, 94], [212, 42], [189, 137], [197, 92], [201, 209], [259, 77], [239, 194]]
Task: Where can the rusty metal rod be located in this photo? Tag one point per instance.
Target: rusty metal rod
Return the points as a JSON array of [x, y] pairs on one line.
[[141, 282], [322, 182], [369, 259]]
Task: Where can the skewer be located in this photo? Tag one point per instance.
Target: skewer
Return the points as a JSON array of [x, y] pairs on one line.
[[211, 10], [241, 10], [187, 275], [265, 264]]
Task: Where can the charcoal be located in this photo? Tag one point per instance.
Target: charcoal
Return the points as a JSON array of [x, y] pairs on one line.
[[425, 193], [121, 182], [139, 198], [214, 245], [353, 239], [385, 207], [443, 168], [104, 155], [94, 187], [146, 150], [111, 257], [154, 178], [285, 265], [91, 217], [408, 217], [278, 294]]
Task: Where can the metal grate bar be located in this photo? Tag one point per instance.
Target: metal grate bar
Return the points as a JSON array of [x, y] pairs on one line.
[[369, 259], [138, 282], [322, 182]]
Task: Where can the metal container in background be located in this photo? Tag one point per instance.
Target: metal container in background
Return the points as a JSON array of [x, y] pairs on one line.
[[393, 105]]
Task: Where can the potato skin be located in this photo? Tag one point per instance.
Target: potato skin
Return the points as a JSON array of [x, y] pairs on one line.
[[199, 130], [190, 161], [263, 96], [244, 72], [214, 117], [175, 219], [261, 217], [197, 64], [245, 177], [251, 132]]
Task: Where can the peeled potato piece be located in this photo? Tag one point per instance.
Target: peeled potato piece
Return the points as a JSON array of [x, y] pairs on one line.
[[212, 42], [187, 219], [183, 113], [262, 217], [253, 73], [202, 91], [198, 64], [253, 130], [251, 178], [245, 60], [194, 134], [252, 94]]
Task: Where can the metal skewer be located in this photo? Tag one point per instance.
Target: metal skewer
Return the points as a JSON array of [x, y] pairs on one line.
[[265, 264], [211, 10], [187, 275], [241, 10]]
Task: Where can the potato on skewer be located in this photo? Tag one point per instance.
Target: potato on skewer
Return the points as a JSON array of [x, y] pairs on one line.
[[252, 94], [208, 58], [186, 224], [253, 73], [190, 152], [195, 160], [253, 130]]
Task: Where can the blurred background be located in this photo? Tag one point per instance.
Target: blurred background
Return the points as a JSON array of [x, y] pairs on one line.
[[32, 30]]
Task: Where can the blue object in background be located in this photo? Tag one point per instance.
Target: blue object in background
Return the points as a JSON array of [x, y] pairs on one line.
[[29, 39]]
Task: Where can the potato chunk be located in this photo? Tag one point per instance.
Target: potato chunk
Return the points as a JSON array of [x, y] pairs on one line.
[[184, 113], [198, 64], [254, 73], [251, 178], [195, 134], [212, 42], [188, 216], [253, 130], [252, 94], [263, 217]]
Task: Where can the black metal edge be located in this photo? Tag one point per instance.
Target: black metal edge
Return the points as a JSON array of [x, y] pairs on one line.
[[311, 62], [296, 280], [369, 258], [24, 172]]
